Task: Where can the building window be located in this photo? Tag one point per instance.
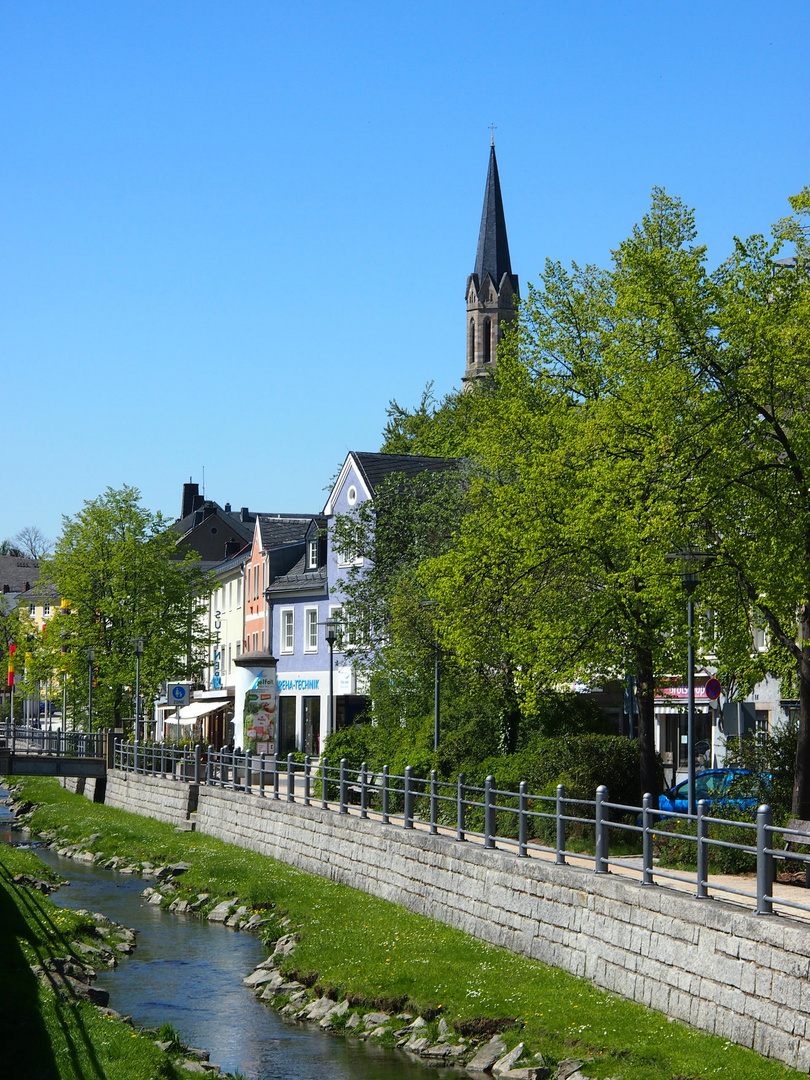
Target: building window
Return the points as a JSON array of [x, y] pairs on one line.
[[471, 344], [255, 582], [312, 555], [311, 630], [238, 592], [32, 610], [256, 642], [351, 495], [487, 341], [46, 610], [346, 635], [287, 630], [230, 596], [239, 648]]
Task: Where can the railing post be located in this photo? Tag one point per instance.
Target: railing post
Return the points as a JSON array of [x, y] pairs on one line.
[[489, 813], [460, 823], [646, 841], [434, 803], [324, 792], [275, 776], [522, 821], [197, 762], [702, 852], [560, 822], [601, 860], [163, 760], [408, 794], [233, 769], [385, 795], [343, 807], [290, 779], [248, 772], [363, 808], [209, 766], [307, 778], [765, 862], [262, 758]]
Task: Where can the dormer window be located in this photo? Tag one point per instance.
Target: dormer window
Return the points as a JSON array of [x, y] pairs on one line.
[[312, 554]]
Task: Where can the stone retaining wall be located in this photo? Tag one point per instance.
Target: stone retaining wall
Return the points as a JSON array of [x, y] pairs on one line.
[[151, 796], [739, 976]]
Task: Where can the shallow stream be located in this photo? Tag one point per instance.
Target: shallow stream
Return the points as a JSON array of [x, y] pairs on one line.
[[189, 973]]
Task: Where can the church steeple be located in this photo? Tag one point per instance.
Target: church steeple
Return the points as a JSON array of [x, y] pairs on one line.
[[492, 288]]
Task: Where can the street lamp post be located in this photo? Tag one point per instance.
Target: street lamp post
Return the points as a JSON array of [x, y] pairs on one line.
[[331, 638], [137, 644], [90, 658], [691, 562]]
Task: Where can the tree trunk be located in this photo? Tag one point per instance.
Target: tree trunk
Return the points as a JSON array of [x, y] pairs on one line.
[[801, 777], [646, 723]]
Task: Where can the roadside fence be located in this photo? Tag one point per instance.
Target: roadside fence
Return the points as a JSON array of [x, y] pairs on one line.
[[520, 822], [35, 740]]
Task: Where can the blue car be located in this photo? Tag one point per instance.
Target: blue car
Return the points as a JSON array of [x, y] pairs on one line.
[[723, 789]]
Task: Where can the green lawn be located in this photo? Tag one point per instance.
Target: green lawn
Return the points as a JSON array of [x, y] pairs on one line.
[[379, 952]]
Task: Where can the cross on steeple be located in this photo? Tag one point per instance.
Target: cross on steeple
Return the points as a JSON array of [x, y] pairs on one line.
[[492, 129]]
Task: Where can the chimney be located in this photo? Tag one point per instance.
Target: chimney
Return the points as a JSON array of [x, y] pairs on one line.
[[232, 547], [189, 491], [197, 502], [227, 508], [198, 516], [244, 513]]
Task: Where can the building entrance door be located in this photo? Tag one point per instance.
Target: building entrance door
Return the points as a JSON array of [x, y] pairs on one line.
[[312, 724]]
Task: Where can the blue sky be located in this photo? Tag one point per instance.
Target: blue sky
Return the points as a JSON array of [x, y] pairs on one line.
[[231, 232]]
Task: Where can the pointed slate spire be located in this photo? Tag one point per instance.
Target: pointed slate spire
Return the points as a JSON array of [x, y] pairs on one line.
[[492, 256], [492, 288]]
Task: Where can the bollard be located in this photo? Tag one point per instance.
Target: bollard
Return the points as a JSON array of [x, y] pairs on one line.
[[522, 822], [702, 852], [600, 825], [460, 834], [385, 818], [363, 810], [434, 803], [408, 793], [290, 779], [307, 767], [765, 861], [560, 821], [324, 790], [647, 841], [489, 813], [343, 807]]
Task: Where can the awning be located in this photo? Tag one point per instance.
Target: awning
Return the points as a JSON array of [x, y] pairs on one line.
[[192, 712]]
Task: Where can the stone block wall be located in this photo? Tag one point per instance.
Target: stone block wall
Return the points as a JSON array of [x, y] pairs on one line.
[[165, 800], [740, 976]]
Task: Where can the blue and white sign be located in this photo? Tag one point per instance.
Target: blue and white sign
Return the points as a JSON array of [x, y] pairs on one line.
[[179, 693]]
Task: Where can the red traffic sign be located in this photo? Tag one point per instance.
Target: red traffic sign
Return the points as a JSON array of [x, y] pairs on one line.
[[712, 689]]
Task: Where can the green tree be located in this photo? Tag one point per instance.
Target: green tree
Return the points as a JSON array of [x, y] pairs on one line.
[[114, 564]]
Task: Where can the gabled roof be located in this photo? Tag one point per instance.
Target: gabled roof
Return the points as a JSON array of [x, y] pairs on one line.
[[492, 256], [16, 571], [372, 469], [299, 579], [188, 524], [276, 529]]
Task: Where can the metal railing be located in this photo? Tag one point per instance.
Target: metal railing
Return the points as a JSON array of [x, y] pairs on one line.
[[556, 826], [35, 740]]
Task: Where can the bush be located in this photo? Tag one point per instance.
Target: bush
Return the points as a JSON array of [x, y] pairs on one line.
[[677, 851]]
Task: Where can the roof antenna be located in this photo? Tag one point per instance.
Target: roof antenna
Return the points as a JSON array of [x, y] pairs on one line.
[[203, 481], [492, 130]]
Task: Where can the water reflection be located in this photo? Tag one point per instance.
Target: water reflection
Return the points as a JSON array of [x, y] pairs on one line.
[[189, 973]]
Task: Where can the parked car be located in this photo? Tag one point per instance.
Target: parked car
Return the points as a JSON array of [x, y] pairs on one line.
[[723, 789]]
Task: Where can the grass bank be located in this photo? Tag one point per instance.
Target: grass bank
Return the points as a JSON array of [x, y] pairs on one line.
[[375, 951], [50, 1035]]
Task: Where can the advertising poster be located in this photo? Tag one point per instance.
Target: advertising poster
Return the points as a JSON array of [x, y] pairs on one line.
[[260, 714]]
